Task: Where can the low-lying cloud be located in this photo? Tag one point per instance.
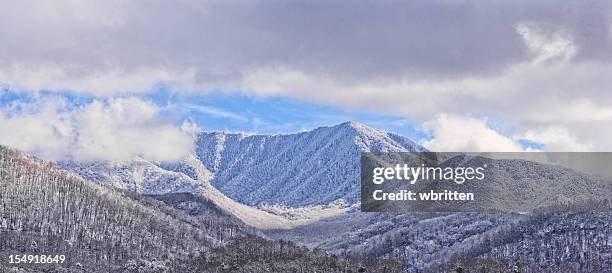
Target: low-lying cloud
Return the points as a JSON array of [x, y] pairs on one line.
[[103, 129], [461, 134]]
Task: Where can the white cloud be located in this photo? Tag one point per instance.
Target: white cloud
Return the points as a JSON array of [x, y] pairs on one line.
[[580, 110], [213, 111], [556, 138], [463, 134], [558, 45], [42, 129], [112, 129]]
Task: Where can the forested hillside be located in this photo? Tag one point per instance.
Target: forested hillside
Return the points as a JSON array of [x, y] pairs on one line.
[[51, 212], [558, 242], [98, 229], [477, 242]]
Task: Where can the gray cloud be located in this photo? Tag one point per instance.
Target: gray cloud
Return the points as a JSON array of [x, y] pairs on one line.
[[209, 43]]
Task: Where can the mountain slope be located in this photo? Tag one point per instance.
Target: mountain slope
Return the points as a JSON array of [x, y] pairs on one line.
[[45, 210], [309, 168], [187, 176]]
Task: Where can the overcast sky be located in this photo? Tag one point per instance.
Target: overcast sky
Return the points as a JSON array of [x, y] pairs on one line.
[[472, 75]]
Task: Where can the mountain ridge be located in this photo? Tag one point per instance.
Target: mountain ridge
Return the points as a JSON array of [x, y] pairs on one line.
[[316, 167]]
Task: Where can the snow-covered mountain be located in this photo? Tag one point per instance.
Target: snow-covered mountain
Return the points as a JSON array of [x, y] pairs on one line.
[[310, 168], [138, 175], [187, 176]]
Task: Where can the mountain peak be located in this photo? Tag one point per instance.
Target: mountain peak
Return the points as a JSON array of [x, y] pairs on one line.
[[356, 128], [353, 124]]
